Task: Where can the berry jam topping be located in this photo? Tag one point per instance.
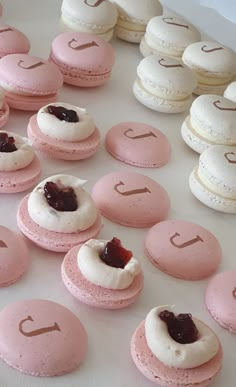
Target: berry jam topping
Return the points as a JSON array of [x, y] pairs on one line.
[[60, 199], [7, 144], [63, 114], [181, 328], [115, 255]]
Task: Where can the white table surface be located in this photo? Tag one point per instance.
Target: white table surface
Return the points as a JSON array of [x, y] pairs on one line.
[[108, 362]]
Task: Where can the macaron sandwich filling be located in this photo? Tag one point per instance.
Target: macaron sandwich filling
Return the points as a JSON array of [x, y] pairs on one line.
[[107, 264]]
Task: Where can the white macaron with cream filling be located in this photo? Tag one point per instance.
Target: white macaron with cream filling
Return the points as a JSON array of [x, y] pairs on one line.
[[213, 180], [230, 92], [212, 121], [213, 64], [168, 36], [96, 17], [164, 84], [134, 16]]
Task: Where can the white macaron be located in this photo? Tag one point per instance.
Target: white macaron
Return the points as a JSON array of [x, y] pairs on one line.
[[96, 17], [213, 181], [213, 64], [164, 84], [230, 92], [168, 36], [212, 121], [134, 16]]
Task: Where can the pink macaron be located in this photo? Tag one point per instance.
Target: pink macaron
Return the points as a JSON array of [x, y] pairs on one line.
[[41, 338], [138, 144], [20, 168], [183, 249], [85, 60], [131, 199], [64, 131], [14, 257], [58, 214], [220, 299], [12, 41], [100, 274], [167, 362], [29, 82]]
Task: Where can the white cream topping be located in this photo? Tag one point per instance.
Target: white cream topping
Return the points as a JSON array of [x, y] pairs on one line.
[[62, 221], [174, 354], [63, 130], [18, 159], [99, 273]]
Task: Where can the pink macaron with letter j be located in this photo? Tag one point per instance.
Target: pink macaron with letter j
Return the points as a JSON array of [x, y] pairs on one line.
[[29, 82], [85, 60]]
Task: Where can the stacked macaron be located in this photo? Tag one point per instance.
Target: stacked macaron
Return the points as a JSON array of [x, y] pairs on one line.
[[64, 131], [212, 121], [58, 214], [29, 82], [96, 17], [102, 274], [134, 16], [213, 64], [213, 180], [164, 84], [168, 36], [4, 109], [19, 166], [176, 350], [85, 60]]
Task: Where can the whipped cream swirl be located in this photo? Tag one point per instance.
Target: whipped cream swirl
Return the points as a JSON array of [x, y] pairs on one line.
[[18, 159], [174, 354], [99, 273], [62, 221], [63, 130]]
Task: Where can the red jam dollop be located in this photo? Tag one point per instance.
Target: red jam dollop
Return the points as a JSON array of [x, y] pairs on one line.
[[115, 254], [181, 328], [63, 114], [60, 199], [7, 144]]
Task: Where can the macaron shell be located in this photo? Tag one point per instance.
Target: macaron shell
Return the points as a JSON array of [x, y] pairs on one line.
[[22, 179], [49, 240], [138, 144], [14, 257], [131, 199], [29, 103], [41, 338], [138, 11], [128, 35], [165, 376], [94, 295], [220, 299], [87, 53], [12, 41], [210, 58], [157, 103], [22, 73], [64, 150], [4, 114], [183, 249]]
